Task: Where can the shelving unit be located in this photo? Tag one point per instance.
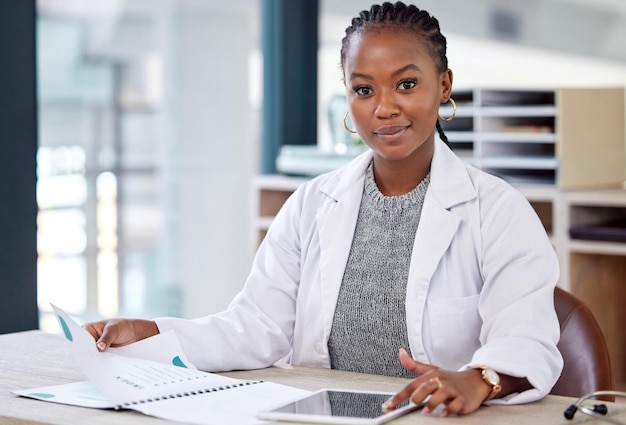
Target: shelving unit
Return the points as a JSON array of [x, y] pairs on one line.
[[510, 133], [569, 138]]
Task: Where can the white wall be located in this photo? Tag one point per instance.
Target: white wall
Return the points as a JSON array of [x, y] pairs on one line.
[[477, 62], [209, 151]]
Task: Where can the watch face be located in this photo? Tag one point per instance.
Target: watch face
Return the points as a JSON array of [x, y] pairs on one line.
[[492, 375]]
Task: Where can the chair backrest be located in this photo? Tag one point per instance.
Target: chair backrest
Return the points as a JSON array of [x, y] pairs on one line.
[[586, 362]]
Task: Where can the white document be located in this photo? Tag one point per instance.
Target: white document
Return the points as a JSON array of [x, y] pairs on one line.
[[163, 348], [223, 407], [83, 394], [158, 380]]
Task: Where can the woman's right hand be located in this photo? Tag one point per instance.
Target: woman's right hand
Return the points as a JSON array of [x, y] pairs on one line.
[[118, 332]]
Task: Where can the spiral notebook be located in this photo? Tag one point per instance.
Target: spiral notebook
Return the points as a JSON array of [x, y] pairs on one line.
[[172, 390]]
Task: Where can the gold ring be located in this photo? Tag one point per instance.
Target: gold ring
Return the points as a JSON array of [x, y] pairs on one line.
[[436, 380]]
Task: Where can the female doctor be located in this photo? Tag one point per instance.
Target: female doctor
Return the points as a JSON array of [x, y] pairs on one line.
[[405, 262]]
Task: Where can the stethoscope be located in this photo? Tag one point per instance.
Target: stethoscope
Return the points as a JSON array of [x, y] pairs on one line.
[[597, 410]]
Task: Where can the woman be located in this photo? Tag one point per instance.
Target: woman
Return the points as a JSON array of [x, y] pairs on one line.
[[407, 247]]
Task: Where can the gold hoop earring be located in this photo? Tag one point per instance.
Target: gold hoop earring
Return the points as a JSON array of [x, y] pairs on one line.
[[345, 124], [451, 117]]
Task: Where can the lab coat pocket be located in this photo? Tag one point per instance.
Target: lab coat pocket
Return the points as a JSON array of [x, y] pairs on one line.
[[454, 330]]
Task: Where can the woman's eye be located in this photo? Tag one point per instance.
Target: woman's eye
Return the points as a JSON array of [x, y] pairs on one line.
[[363, 91], [406, 85]]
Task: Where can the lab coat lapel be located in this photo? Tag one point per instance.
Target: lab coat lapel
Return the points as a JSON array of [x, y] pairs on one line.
[[450, 185], [434, 234], [336, 221]]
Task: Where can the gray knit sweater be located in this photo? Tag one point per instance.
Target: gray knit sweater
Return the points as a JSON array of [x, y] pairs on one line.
[[369, 325]]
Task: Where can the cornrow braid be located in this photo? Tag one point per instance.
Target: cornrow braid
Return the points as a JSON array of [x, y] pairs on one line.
[[401, 16], [442, 135]]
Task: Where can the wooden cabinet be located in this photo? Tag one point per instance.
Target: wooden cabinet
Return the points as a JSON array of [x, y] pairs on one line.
[[269, 193], [593, 260]]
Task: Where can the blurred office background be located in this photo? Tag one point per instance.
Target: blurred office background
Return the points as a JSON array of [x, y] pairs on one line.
[[150, 123]]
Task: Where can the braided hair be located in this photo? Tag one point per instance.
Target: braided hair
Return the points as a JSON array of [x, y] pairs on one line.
[[399, 15]]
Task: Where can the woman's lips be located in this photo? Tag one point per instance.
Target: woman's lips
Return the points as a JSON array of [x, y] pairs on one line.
[[391, 133]]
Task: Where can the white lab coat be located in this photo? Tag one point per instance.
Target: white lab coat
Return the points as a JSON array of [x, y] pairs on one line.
[[480, 287]]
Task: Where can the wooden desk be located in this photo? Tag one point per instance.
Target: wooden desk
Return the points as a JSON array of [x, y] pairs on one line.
[[35, 359]]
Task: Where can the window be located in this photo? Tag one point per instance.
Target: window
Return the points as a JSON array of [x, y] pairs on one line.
[[148, 138]]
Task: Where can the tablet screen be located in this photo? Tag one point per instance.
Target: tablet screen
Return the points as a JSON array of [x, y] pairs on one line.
[[339, 406]]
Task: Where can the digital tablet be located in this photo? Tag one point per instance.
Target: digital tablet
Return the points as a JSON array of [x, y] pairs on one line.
[[337, 406]]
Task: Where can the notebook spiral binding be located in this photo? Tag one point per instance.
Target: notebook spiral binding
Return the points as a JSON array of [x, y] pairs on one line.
[[128, 404]]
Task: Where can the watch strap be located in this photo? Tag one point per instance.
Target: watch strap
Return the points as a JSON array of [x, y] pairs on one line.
[[496, 387]]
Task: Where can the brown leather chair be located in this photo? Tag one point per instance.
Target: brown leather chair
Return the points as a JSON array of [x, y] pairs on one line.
[[587, 367]]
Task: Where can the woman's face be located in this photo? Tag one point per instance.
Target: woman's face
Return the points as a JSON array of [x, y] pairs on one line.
[[394, 91]]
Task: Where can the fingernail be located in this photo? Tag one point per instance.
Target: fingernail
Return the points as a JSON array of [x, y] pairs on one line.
[[402, 350], [101, 346], [425, 410]]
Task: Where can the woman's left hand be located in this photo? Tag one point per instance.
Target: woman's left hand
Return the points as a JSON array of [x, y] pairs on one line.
[[460, 392]]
